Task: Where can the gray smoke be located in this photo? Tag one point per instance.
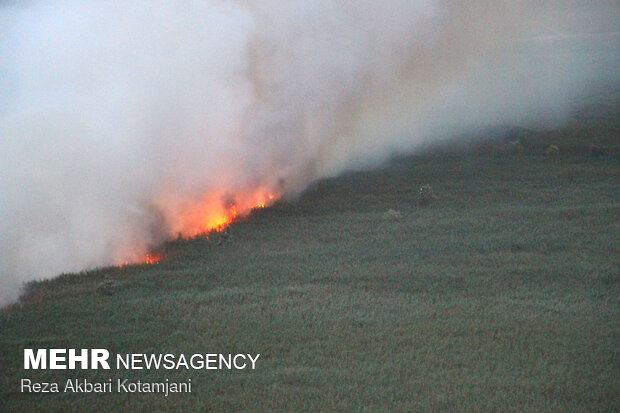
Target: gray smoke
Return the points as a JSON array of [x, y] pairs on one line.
[[117, 118]]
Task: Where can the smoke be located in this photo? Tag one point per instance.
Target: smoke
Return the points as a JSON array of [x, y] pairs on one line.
[[121, 122]]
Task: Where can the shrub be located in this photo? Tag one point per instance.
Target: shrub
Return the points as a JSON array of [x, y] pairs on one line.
[[108, 286], [426, 195], [551, 150], [392, 215]]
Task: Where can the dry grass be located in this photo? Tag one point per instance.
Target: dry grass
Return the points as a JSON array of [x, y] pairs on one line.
[[501, 296]]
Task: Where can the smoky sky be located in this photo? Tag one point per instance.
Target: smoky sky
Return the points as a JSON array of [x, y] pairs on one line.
[[115, 116]]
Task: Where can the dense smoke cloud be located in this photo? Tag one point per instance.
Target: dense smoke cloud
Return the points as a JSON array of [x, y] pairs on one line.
[[117, 118]]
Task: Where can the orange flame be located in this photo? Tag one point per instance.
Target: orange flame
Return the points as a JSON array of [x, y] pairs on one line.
[[214, 212], [152, 258], [148, 258]]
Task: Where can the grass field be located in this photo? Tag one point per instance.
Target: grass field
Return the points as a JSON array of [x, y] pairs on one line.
[[501, 295]]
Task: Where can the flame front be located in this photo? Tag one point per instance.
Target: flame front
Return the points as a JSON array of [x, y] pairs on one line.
[[214, 220], [152, 258], [212, 212], [215, 212]]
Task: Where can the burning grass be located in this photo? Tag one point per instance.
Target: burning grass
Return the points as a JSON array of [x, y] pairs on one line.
[[217, 211], [503, 296], [209, 217]]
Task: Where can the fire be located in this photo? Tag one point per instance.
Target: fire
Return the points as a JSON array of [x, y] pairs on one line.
[[149, 258], [214, 212], [265, 201], [216, 220], [152, 258]]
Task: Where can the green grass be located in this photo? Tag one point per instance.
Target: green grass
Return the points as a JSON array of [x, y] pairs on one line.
[[501, 295]]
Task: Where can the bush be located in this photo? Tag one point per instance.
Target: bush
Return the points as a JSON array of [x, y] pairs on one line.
[[426, 195], [551, 150], [392, 215], [108, 286]]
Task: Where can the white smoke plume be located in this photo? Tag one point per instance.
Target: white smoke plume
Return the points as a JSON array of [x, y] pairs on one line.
[[121, 121]]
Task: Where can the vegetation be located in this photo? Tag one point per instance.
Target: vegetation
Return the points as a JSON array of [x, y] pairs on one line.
[[502, 294]]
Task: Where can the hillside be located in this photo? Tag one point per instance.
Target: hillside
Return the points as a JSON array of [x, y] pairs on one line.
[[501, 293]]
